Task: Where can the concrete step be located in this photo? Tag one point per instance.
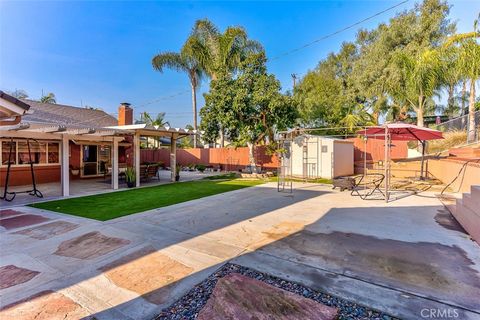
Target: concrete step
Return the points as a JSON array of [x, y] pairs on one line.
[[469, 220], [473, 203], [475, 191]]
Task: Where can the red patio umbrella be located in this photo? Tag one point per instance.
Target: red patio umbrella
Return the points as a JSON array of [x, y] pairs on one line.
[[401, 132]]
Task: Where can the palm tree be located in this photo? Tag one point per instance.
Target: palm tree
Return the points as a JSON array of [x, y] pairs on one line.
[[185, 61], [420, 80], [49, 98], [469, 64], [159, 120], [221, 53]]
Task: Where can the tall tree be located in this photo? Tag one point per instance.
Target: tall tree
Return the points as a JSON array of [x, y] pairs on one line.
[[419, 81], [469, 64], [219, 52], [186, 61], [49, 98], [250, 106], [19, 94]]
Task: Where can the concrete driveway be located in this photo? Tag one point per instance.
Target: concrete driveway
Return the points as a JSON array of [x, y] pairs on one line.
[[406, 258]]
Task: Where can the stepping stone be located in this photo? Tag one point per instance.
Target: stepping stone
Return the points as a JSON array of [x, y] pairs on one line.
[[22, 221], [148, 273], [236, 296], [9, 213], [12, 275], [46, 305], [48, 230], [89, 246]]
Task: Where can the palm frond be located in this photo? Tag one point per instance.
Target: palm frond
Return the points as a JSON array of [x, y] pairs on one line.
[[171, 60]]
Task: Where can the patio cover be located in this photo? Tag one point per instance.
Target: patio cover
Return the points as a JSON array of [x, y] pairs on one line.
[[402, 131]]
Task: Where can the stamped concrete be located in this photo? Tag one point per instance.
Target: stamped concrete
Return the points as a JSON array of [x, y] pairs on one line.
[[11, 275], [398, 257], [89, 245], [21, 221], [48, 230], [239, 297]]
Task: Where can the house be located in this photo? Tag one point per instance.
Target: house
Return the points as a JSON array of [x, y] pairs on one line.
[[68, 143]]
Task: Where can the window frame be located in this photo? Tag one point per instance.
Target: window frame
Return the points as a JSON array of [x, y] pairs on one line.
[[17, 165]]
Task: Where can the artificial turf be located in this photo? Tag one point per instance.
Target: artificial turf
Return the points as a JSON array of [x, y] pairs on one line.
[[112, 205]]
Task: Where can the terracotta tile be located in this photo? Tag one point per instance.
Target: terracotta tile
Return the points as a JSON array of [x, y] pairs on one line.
[[148, 273], [10, 213], [22, 221], [12, 275], [240, 297], [89, 245], [46, 305], [48, 230]]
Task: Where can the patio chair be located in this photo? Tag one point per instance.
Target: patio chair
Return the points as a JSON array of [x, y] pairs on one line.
[[370, 183]]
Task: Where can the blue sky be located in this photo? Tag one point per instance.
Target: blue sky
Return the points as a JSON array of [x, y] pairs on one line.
[[99, 53]]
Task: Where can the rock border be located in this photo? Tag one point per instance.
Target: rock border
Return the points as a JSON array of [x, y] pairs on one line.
[[189, 305]]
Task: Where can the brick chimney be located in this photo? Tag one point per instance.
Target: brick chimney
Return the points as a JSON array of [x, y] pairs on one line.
[[125, 114]]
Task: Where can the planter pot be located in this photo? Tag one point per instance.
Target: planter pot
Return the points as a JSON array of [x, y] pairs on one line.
[[75, 172], [177, 177], [130, 184]]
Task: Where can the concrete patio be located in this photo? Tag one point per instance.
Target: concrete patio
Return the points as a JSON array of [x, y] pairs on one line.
[[403, 258]]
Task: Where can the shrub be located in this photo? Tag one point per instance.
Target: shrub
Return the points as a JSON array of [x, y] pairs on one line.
[[201, 167], [451, 139]]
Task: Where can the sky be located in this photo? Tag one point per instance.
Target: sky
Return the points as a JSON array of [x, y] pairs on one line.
[[99, 53]]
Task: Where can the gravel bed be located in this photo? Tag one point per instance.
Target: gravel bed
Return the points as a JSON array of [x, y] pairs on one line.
[[188, 306]]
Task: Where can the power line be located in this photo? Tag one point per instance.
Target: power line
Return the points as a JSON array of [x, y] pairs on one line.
[[336, 32], [162, 98]]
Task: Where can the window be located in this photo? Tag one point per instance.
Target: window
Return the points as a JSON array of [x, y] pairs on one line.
[[53, 152], [42, 152], [38, 151], [6, 151]]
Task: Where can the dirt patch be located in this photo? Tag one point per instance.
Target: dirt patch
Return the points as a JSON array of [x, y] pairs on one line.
[[89, 245], [12, 275], [46, 305], [48, 230], [239, 297], [429, 268], [446, 220], [148, 273]]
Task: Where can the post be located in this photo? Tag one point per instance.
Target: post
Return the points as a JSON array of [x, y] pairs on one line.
[[65, 173], [173, 156], [136, 157], [386, 162], [115, 164]]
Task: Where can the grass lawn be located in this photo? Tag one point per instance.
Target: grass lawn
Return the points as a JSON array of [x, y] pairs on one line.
[[112, 205]]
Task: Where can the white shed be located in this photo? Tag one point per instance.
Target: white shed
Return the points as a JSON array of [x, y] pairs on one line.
[[321, 157]]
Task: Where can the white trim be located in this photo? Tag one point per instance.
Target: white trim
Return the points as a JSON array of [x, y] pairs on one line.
[[65, 168]]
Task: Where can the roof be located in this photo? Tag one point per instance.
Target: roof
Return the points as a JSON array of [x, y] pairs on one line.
[[12, 99], [149, 130], [63, 115]]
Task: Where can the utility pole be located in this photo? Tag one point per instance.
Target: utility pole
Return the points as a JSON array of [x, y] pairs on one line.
[[294, 78]]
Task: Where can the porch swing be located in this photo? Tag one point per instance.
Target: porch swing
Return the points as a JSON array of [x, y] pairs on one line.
[[9, 196]]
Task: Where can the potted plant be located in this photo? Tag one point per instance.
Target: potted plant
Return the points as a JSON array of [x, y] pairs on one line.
[[75, 171], [178, 167], [201, 167], [130, 177]]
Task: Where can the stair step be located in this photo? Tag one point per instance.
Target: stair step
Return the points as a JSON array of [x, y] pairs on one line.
[[469, 220], [475, 191], [473, 203]]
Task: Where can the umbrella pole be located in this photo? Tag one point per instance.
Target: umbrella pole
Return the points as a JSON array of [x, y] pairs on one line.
[[423, 161]]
